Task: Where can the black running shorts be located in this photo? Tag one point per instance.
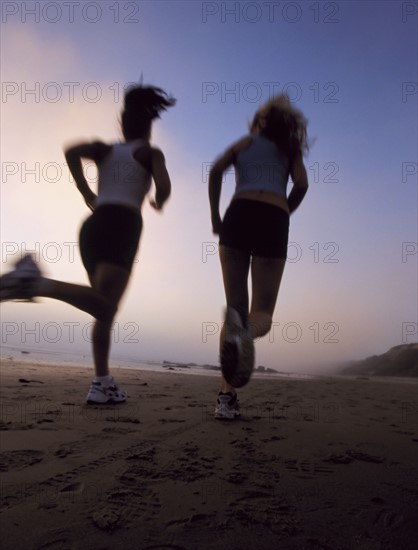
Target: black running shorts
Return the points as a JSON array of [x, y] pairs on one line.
[[256, 227], [111, 234]]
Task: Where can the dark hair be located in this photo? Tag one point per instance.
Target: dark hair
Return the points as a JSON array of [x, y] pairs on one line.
[[279, 121], [142, 104]]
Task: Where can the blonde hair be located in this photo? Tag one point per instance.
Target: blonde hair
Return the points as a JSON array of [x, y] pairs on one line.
[[282, 123]]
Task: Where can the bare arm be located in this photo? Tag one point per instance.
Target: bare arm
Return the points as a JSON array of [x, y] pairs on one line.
[[153, 161], [215, 187], [73, 155], [215, 180], [161, 179], [300, 184]]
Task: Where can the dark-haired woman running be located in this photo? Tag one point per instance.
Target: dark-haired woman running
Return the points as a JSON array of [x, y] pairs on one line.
[[109, 238]]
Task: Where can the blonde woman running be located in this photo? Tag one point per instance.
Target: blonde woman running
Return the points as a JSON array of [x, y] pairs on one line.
[[253, 235]]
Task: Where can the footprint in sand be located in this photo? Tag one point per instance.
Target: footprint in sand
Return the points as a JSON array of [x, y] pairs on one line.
[[108, 520], [4, 426], [389, 519], [351, 455], [118, 431], [75, 488], [365, 457], [164, 547], [17, 460], [125, 506], [126, 419], [56, 539], [306, 469], [24, 381]]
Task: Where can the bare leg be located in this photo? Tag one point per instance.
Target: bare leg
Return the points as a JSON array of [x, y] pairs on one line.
[[110, 281], [100, 300], [266, 275], [25, 282], [235, 269], [82, 297]]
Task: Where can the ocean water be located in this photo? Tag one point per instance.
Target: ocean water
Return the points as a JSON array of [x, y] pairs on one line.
[[70, 359]]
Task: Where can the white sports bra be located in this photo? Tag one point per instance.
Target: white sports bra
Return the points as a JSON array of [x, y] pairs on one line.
[[262, 167], [123, 180]]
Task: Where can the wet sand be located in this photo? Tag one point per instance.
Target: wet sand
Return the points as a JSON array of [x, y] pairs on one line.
[[329, 463]]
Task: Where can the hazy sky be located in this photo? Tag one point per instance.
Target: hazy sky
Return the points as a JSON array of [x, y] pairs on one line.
[[349, 288]]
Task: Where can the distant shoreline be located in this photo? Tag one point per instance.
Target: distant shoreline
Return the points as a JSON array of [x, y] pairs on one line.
[[65, 359], [48, 358]]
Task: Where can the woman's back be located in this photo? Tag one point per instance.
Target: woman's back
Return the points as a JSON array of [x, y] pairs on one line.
[[262, 167], [123, 180]]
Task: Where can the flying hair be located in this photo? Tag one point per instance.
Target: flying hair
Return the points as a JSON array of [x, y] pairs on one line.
[[282, 123], [143, 104]]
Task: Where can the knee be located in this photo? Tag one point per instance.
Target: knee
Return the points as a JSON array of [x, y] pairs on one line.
[[265, 326], [109, 314], [259, 324]]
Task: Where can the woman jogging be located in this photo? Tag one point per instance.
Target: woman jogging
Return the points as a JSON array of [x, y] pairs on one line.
[[109, 238], [254, 233]]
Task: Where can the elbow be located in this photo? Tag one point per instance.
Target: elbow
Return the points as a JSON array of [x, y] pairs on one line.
[[301, 185], [302, 190], [163, 193], [215, 181], [70, 155], [215, 173], [167, 189]]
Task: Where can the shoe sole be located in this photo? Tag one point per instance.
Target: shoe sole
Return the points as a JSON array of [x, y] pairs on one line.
[[15, 289], [237, 368], [237, 364], [224, 411], [229, 360], [218, 416], [108, 402]]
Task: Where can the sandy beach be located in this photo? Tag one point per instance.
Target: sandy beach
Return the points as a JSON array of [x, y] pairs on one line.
[[329, 463]]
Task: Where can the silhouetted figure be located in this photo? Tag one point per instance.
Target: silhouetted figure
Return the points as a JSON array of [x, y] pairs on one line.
[[254, 233], [109, 238]]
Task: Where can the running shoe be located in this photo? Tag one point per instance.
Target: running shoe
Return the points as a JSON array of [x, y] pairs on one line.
[[227, 406], [101, 394], [237, 353], [22, 283]]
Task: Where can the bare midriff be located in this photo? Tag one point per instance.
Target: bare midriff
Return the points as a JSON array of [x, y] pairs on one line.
[[264, 196]]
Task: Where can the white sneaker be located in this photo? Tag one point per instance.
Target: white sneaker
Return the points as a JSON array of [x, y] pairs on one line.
[[22, 283], [99, 393], [237, 354], [227, 406]]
